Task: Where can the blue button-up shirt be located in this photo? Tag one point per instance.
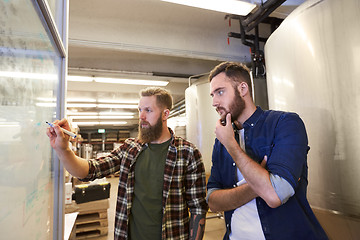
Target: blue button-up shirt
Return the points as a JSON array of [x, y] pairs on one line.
[[281, 136]]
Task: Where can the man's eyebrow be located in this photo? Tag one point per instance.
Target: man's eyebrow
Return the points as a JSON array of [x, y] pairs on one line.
[[216, 90]]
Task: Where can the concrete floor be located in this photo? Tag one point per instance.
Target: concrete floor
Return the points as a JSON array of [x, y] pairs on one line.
[[337, 226], [214, 227]]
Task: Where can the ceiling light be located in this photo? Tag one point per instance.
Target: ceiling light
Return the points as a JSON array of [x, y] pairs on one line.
[[102, 117], [99, 123], [46, 99], [129, 81], [81, 113], [117, 106], [135, 101], [228, 6], [81, 100], [70, 113], [81, 105], [39, 76], [117, 113], [79, 79], [92, 105], [45, 104]]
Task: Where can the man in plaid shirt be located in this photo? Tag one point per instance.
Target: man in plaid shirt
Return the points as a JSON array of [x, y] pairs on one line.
[[162, 177]]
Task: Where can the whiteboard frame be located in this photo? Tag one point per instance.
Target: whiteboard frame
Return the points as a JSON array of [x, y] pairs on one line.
[[61, 42]]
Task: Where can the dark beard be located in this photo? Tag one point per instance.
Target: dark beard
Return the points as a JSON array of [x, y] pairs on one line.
[[236, 108], [152, 133]]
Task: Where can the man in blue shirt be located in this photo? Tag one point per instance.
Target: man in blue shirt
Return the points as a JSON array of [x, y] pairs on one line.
[[259, 172]]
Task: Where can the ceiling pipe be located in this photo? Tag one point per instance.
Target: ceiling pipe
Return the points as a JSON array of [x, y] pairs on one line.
[[250, 22], [197, 76], [264, 10]]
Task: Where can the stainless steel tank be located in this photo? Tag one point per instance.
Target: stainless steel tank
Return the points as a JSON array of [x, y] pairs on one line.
[[201, 118], [87, 151], [313, 68]]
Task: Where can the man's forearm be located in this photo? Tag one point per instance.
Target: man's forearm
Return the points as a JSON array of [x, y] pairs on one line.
[[197, 226], [76, 166], [257, 177], [229, 199]]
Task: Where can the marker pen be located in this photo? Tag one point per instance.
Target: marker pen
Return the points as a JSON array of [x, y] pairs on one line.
[[64, 130]]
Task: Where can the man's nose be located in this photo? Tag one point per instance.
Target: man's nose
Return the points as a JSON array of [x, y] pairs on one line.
[[142, 115], [215, 103]]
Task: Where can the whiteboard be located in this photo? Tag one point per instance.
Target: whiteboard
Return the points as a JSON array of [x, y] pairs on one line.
[[29, 80]]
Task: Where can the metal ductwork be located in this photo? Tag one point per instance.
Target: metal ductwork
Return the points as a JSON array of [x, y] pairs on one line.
[[251, 22]]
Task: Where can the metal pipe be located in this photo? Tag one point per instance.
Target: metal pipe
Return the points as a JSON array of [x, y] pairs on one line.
[[262, 8], [196, 76], [247, 37], [262, 15]]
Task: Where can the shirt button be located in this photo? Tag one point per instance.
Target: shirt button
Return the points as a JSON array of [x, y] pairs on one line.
[[252, 124], [234, 164], [234, 185]]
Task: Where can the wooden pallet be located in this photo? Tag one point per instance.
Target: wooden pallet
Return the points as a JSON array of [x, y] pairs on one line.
[[88, 207], [95, 233], [91, 224]]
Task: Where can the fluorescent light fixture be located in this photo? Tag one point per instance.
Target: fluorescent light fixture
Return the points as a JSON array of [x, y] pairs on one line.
[[39, 76], [228, 6], [46, 99], [102, 117], [99, 123], [9, 124], [81, 105], [45, 104], [135, 101], [92, 105], [117, 80], [79, 79], [92, 100], [117, 106], [70, 113], [131, 81], [117, 113]]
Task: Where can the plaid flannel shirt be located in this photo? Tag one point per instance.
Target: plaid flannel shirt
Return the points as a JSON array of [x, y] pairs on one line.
[[183, 188]]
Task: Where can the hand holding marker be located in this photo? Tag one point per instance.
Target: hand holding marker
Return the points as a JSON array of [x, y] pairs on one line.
[[64, 130]]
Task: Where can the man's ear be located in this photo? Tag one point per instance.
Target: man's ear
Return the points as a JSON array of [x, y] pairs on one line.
[[166, 114], [243, 89]]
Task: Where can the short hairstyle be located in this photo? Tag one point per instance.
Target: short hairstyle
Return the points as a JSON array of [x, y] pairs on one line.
[[237, 72], [163, 96]]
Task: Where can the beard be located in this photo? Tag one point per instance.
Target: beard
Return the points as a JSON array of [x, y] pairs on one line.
[[150, 133], [236, 107]]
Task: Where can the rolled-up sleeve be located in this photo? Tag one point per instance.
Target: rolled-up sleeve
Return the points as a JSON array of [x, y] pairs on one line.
[[104, 166]]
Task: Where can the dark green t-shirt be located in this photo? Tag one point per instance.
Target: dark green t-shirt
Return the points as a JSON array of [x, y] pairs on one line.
[[146, 210]]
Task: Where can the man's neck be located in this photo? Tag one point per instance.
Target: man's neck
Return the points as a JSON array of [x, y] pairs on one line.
[[247, 113]]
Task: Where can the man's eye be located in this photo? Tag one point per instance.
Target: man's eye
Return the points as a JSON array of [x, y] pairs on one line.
[[221, 92]]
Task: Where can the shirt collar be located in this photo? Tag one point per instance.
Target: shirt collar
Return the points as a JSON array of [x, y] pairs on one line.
[[254, 118]]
